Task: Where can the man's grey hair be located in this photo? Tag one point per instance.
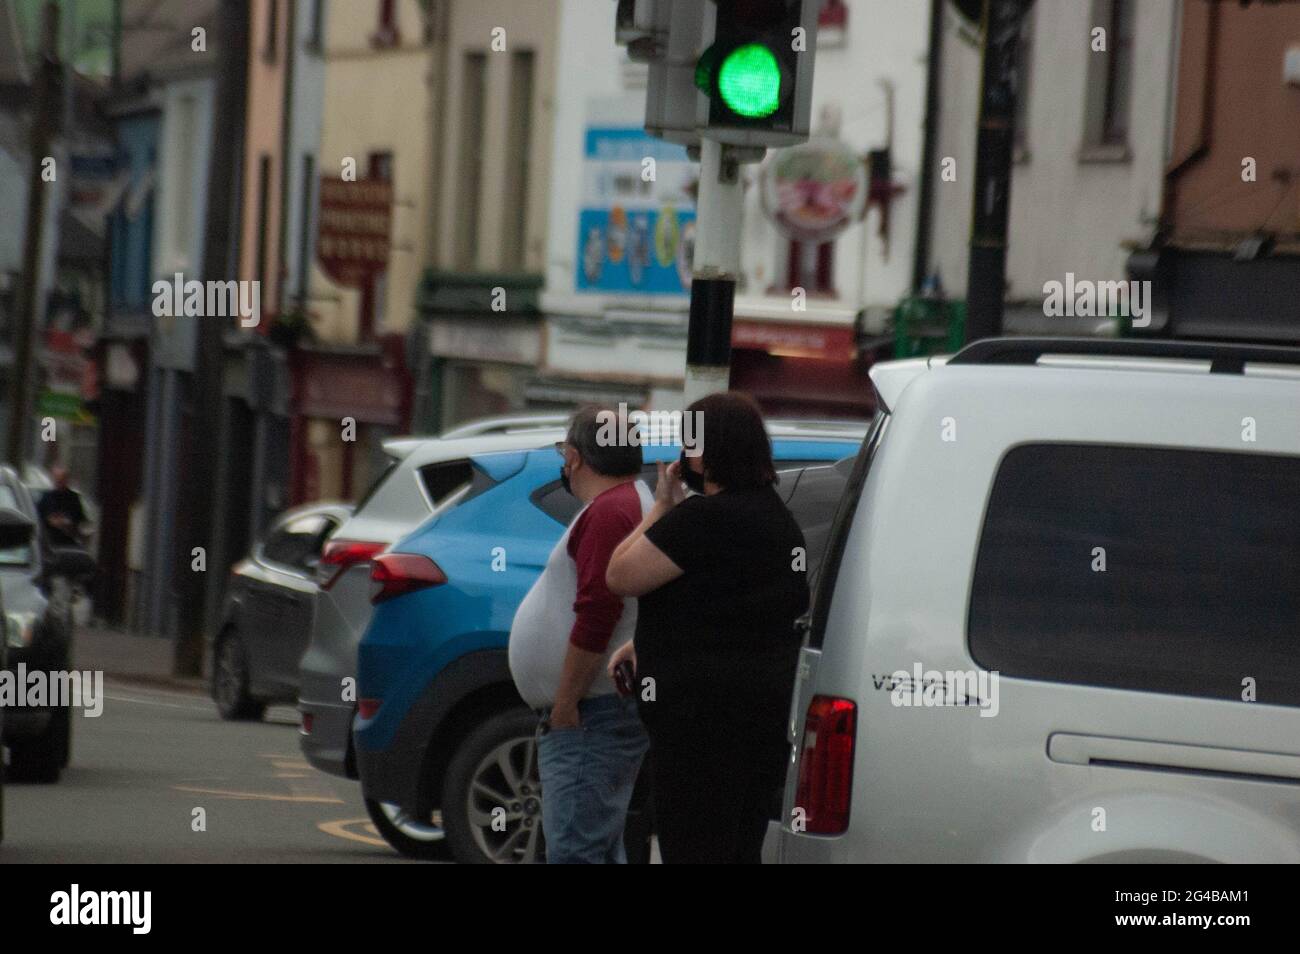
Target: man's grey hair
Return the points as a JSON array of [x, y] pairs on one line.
[[589, 429]]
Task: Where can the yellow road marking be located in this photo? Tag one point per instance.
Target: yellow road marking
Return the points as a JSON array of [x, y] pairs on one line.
[[259, 796], [339, 830]]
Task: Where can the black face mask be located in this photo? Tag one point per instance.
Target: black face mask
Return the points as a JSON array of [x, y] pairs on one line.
[[564, 480], [693, 481]]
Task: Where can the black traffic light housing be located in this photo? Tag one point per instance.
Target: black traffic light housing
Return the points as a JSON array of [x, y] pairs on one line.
[[757, 73]]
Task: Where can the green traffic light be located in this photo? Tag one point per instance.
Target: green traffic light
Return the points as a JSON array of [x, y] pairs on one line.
[[749, 81]]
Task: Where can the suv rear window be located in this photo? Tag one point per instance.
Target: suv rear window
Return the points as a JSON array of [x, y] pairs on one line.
[[1199, 588], [557, 503], [442, 480]]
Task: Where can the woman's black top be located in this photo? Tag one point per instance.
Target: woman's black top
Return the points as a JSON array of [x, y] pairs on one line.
[[726, 625]]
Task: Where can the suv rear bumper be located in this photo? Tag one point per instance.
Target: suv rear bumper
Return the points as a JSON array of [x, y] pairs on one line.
[[327, 746], [396, 772]]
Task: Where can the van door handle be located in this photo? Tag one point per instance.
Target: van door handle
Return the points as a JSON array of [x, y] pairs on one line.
[[1074, 749]]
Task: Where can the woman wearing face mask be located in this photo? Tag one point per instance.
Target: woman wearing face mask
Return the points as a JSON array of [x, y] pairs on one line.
[[720, 583]]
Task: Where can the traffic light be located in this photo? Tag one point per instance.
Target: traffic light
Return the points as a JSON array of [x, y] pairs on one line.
[[757, 73]]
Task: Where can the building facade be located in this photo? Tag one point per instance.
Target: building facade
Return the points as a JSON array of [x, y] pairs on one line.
[[1225, 262], [1092, 144], [350, 384], [480, 331]]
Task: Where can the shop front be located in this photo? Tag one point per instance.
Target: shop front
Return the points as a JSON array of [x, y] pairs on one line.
[[801, 369], [345, 402]]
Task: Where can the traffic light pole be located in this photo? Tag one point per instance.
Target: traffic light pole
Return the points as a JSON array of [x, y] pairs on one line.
[[717, 263]]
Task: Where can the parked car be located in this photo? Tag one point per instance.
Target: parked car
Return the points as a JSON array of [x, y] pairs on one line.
[[439, 725], [39, 633], [424, 476], [266, 620], [16, 530], [1088, 549]]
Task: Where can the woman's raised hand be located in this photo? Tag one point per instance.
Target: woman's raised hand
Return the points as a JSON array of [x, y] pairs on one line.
[[669, 491]]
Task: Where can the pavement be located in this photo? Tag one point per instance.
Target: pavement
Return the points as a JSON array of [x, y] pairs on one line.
[[129, 657]]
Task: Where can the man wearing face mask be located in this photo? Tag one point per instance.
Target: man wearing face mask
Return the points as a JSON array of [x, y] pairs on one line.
[[590, 740]]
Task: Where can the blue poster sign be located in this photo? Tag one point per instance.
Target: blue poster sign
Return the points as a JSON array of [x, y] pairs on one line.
[[636, 220]]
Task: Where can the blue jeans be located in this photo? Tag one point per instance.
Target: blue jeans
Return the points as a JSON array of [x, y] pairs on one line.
[[587, 774]]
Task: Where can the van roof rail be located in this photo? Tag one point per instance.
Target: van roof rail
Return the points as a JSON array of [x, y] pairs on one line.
[[1224, 357]]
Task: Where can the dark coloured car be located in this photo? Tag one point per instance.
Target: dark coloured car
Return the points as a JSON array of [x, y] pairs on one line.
[[266, 623], [39, 633]]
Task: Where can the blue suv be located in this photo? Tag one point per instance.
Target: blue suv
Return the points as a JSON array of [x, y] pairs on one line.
[[440, 729]]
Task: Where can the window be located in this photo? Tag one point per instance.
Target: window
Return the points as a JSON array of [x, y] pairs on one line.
[[514, 204], [469, 163], [442, 481], [1199, 589], [1110, 80], [304, 225], [1119, 73], [298, 543]]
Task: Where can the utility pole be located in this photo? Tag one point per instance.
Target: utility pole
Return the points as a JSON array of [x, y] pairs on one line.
[[29, 306], [987, 270], [713, 279], [204, 498]]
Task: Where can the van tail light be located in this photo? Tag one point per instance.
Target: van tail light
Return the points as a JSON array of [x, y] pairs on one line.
[[401, 573], [826, 765], [341, 555]]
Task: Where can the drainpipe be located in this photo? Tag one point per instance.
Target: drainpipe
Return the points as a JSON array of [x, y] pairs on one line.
[[425, 414], [1206, 125], [929, 146]]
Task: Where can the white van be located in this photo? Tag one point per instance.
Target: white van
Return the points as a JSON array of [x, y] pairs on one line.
[[1059, 615]]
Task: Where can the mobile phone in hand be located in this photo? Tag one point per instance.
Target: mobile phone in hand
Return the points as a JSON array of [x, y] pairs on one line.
[[625, 678]]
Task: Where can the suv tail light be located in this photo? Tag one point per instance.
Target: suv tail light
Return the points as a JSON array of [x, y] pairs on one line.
[[826, 765], [340, 555], [400, 573]]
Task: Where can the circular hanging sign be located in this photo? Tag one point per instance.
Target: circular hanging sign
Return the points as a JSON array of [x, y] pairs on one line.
[[814, 191]]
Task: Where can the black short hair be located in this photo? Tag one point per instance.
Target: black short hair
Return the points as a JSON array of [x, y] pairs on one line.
[[736, 452], [600, 438]]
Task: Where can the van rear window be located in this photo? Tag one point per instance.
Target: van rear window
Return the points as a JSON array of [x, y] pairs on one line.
[[1173, 571]]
